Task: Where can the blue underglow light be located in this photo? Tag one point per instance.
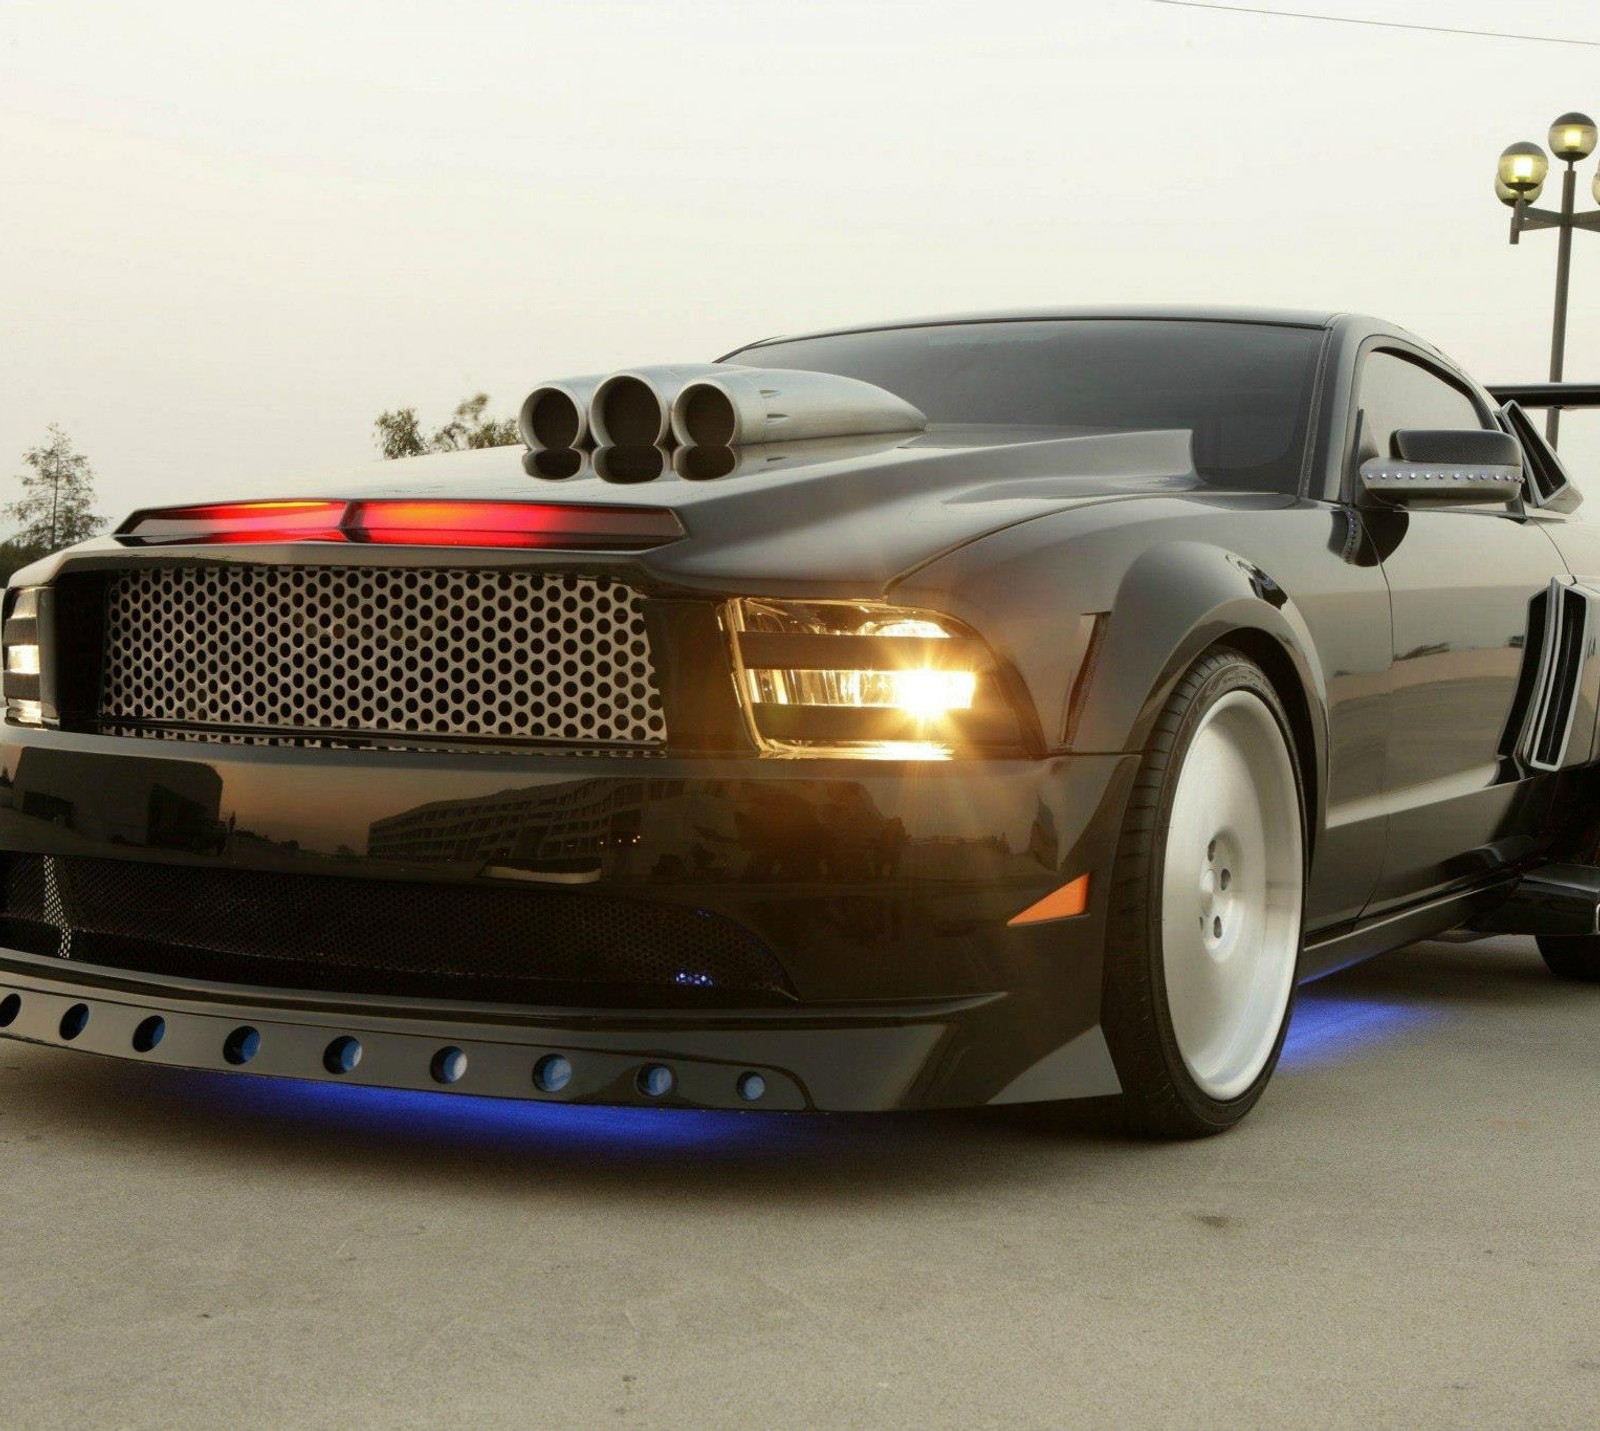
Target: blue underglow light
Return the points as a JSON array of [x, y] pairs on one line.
[[354, 1110], [1329, 1028], [698, 980]]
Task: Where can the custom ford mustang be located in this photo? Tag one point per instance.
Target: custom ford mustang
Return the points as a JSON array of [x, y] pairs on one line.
[[970, 711]]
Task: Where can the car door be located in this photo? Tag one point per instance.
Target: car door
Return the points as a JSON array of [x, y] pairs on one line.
[[1462, 581]]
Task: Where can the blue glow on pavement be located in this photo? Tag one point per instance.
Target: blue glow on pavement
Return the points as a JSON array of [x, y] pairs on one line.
[[1329, 1028], [383, 1111]]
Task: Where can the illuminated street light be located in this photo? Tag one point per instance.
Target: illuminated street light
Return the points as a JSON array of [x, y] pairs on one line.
[[1510, 196], [1523, 167], [1519, 179], [1572, 137]]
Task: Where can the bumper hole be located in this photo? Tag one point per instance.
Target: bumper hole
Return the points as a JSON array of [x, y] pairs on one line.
[[242, 1045], [74, 1021], [449, 1065], [552, 1073], [149, 1034], [656, 1080], [342, 1055], [10, 1007]]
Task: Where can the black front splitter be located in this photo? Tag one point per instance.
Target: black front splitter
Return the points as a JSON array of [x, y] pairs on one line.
[[762, 1059]]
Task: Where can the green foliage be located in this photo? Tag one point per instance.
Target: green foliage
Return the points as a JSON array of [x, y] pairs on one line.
[[399, 433], [56, 508]]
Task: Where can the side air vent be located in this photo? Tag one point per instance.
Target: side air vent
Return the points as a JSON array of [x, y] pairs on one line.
[[1565, 646]]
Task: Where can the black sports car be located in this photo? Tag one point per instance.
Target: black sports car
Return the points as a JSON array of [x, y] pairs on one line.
[[981, 710]]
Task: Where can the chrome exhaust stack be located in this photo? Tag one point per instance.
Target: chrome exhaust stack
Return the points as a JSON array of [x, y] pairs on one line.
[[634, 408], [736, 407], [555, 415]]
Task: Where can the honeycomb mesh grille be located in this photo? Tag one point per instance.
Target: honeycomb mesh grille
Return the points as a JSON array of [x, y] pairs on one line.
[[388, 651], [292, 931]]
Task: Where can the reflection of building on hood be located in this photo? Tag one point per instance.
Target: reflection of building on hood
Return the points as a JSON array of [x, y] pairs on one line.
[[541, 822], [844, 836], [158, 804], [783, 834]]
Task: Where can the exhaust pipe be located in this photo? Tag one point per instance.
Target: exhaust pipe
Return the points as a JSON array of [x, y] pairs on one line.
[[736, 407], [556, 415], [634, 408]]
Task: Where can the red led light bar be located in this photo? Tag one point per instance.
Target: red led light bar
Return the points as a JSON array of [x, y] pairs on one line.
[[552, 525], [313, 521], [510, 524]]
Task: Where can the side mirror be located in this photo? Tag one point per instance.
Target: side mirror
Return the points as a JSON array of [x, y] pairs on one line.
[[1440, 468]]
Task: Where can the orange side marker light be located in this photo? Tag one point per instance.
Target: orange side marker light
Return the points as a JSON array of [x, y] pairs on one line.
[[1068, 902]]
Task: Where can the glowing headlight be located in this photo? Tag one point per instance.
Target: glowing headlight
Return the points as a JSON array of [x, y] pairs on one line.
[[921, 691], [20, 638], [911, 679], [860, 675], [22, 660]]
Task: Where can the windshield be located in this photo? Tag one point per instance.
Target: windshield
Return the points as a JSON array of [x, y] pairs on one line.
[[1242, 389]]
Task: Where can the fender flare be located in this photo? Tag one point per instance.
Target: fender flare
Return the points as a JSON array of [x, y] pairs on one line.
[[1175, 601]]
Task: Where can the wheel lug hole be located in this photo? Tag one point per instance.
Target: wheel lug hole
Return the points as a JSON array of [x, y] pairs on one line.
[[1227, 878], [1216, 927], [1211, 850]]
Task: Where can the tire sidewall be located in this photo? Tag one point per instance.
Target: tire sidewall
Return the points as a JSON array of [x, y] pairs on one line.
[[1234, 672]]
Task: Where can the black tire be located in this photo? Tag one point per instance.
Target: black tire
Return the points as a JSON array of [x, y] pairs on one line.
[[1161, 1098], [1575, 957]]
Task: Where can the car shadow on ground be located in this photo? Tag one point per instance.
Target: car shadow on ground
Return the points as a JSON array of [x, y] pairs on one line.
[[490, 1146]]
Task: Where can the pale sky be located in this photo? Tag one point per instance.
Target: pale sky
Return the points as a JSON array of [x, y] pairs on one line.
[[231, 234]]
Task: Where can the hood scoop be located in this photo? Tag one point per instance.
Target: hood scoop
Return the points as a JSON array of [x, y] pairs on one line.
[[612, 423]]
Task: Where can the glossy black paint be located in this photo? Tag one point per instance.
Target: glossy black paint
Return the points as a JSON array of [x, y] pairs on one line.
[[884, 886], [1097, 569]]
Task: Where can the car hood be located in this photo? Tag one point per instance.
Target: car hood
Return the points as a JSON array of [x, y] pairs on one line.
[[851, 512]]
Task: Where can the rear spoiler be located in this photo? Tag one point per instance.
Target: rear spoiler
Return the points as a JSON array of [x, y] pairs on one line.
[[1562, 395]]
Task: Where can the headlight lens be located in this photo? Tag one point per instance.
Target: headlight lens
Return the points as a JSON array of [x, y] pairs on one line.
[[20, 639], [867, 679]]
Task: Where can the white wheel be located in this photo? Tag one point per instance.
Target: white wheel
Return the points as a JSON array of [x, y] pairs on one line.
[[1203, 940], [1231, 893]]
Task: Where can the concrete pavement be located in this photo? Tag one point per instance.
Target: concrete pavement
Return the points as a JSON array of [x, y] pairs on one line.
[[1403, 1234]]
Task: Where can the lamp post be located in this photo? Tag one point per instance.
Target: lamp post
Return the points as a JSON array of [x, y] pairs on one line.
[[1518, 181]]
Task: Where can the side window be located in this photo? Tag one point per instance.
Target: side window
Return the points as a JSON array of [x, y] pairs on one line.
[[1398, 393]]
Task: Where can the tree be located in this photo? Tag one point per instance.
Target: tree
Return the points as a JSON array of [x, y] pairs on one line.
[[399, 433], [57, 504]]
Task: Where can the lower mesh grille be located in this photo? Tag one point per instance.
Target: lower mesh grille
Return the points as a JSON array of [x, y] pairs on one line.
[[380, 937], [216, 649]]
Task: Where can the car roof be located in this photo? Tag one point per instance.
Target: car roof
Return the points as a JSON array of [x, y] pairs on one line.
[[1202, 313]]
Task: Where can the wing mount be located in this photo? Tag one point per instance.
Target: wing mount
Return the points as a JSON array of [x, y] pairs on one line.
[[1544, 395]]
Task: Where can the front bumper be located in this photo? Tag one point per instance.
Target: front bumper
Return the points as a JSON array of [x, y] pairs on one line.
[[883, 888], [839, 1059]]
